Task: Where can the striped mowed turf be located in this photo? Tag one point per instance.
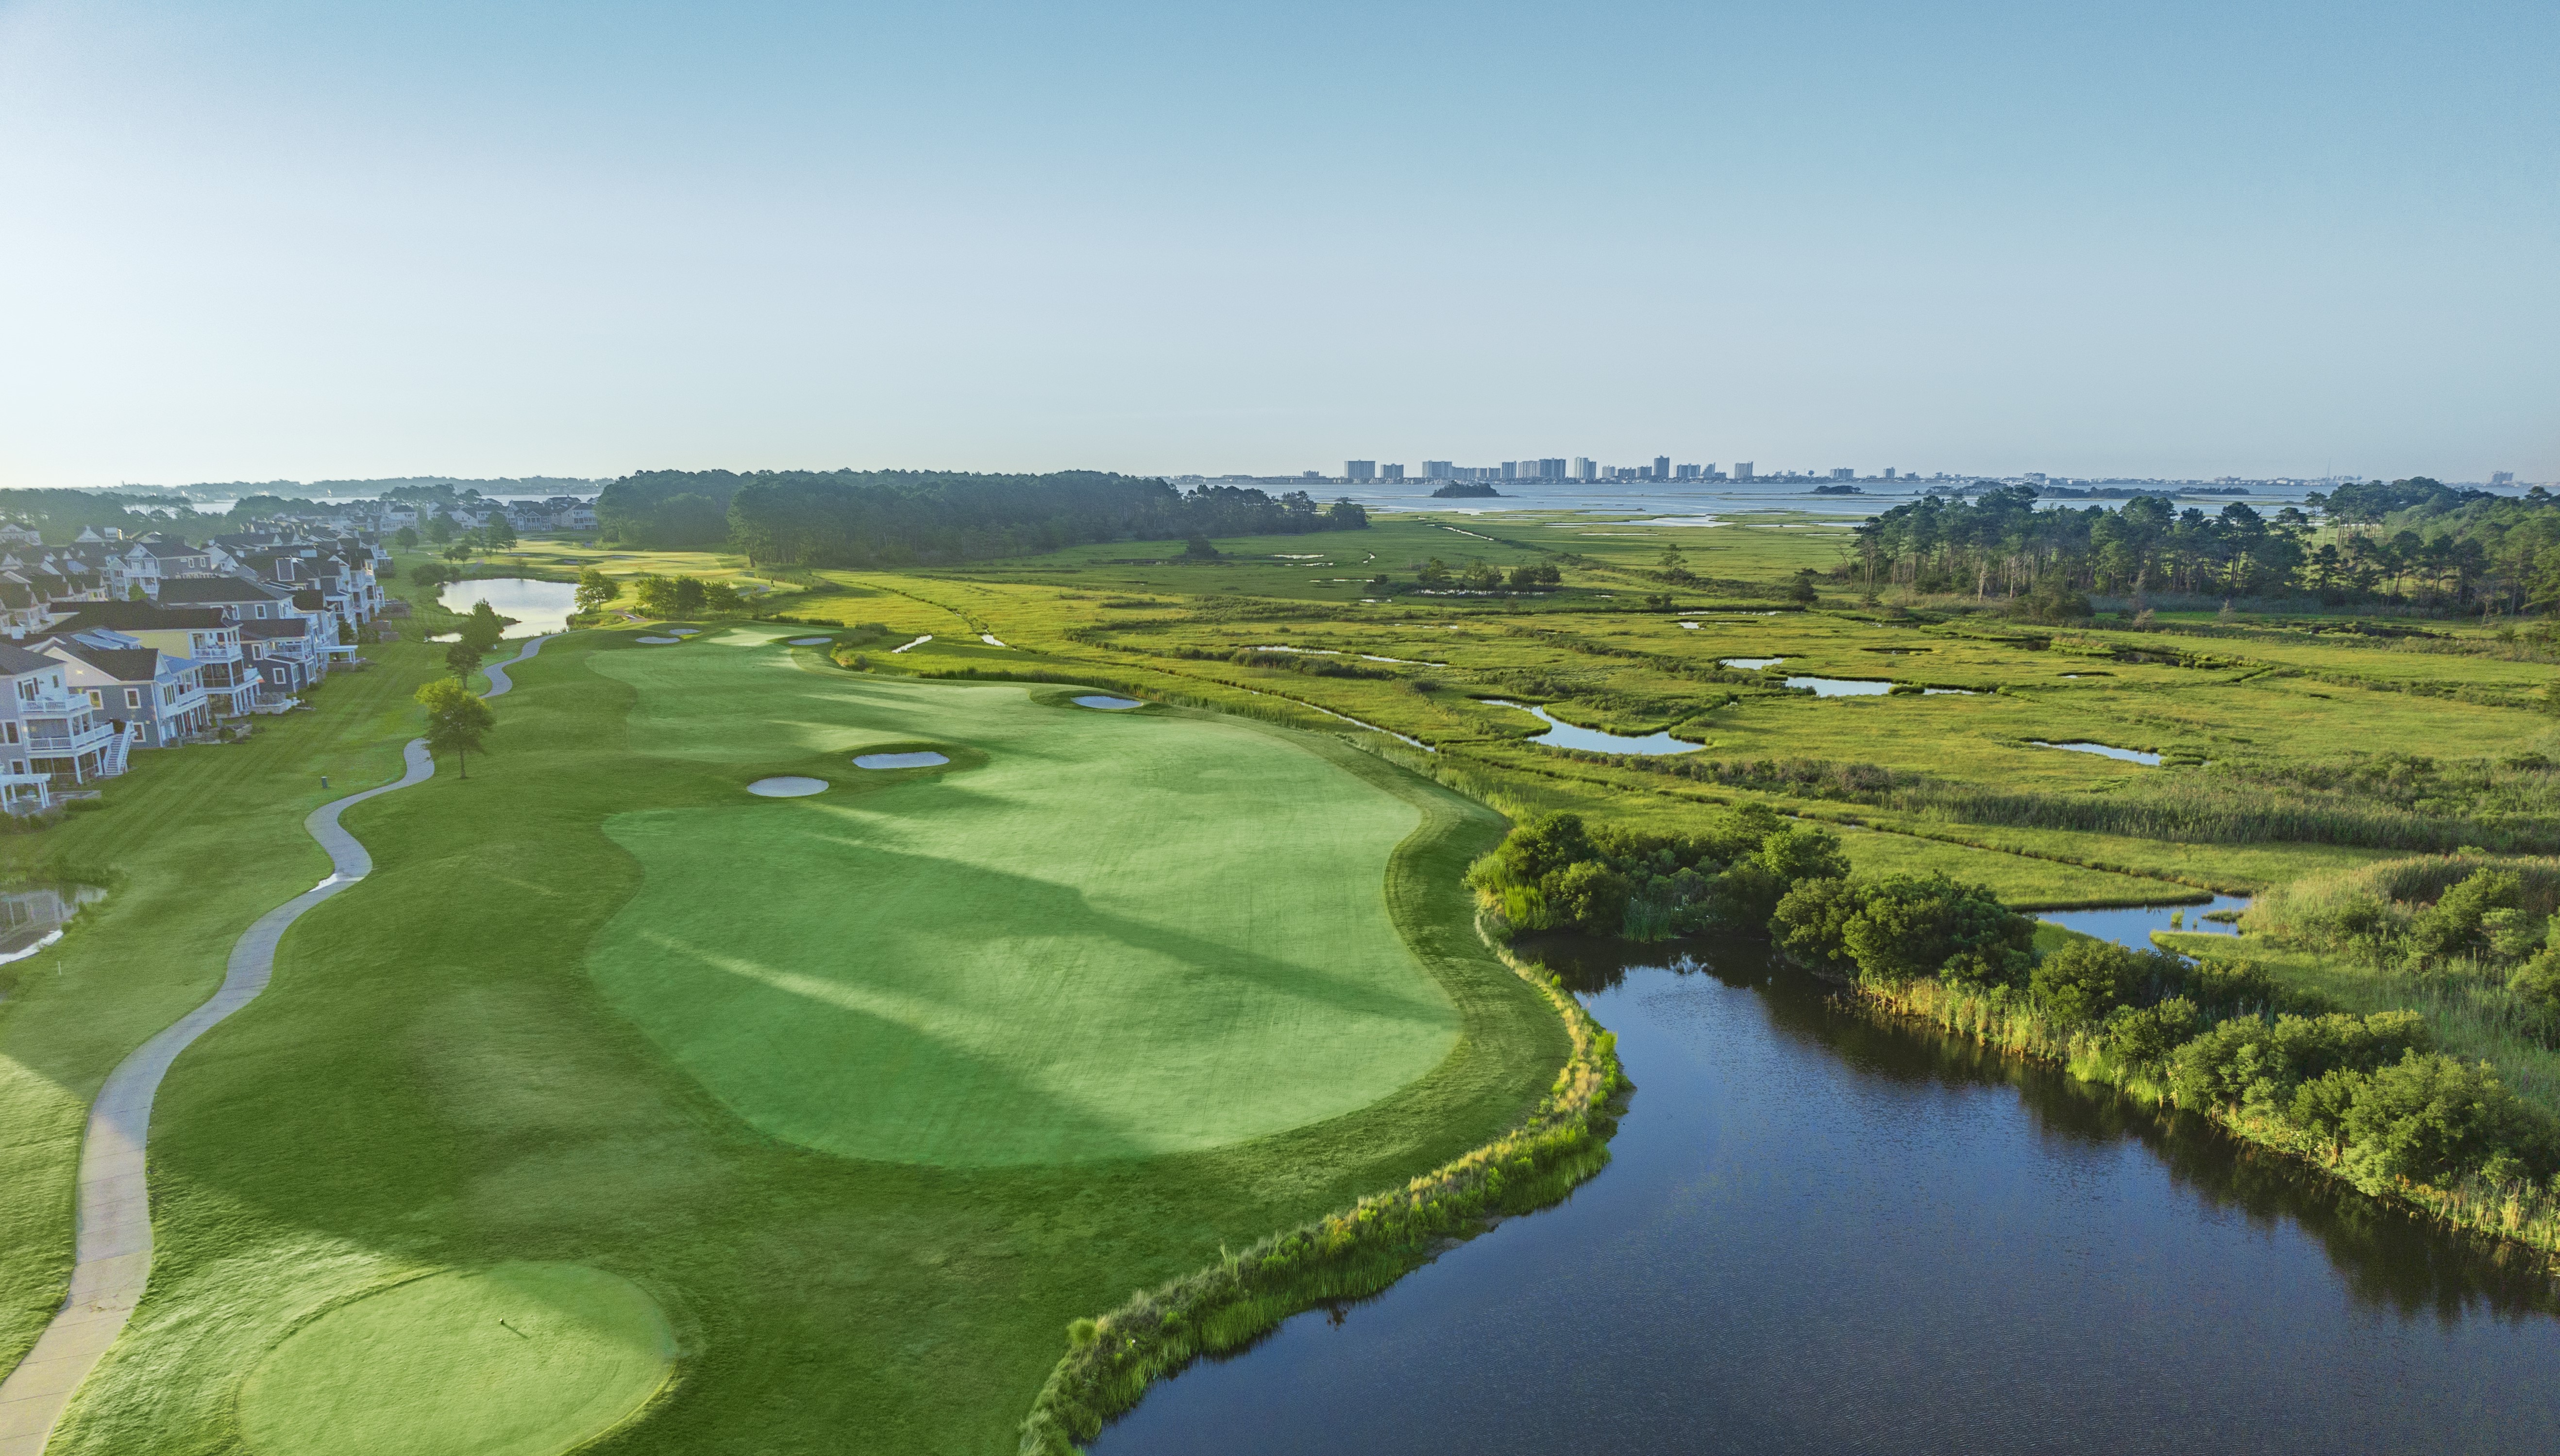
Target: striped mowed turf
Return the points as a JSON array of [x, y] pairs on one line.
[[1094, 934]]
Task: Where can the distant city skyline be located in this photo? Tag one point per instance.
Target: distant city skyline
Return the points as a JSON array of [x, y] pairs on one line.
[[276, 239]]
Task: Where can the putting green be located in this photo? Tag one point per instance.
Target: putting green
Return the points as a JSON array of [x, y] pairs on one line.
[[523, 1359], [1123, 934]]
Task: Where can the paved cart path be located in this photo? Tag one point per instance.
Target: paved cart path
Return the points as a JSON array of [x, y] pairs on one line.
[[113, 1263]]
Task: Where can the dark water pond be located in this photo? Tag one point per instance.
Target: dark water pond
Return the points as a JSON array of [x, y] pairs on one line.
[[1824, 1233]]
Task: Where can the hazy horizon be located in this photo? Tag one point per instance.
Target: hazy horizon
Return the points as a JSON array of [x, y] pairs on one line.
[[297, 241]]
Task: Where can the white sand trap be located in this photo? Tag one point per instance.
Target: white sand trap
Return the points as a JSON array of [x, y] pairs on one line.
[[899, 760], [1107, 705], [990, 639], [788, 787], [662, 641], [919, 642], [811, 641], [685, 631]]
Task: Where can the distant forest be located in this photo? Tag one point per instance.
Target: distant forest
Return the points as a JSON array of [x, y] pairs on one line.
[[880, 517], [2413, 540]]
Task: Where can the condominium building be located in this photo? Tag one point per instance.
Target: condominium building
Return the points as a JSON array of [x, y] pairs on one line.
[[1360, 470], [1742, 470]]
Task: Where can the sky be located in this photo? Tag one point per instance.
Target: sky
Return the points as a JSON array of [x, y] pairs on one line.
[[259, 241]]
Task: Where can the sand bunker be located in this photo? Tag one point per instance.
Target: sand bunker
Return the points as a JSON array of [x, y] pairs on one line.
[[662, 641], [1107, 704], [788, 787], [811, 641], [899, 760], [685, 631]]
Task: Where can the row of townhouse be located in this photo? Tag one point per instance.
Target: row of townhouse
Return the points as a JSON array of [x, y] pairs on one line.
[[120, 644]]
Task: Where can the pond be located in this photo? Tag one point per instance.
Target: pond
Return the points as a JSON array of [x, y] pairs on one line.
[[2127, 755], [2133, 925], [1560, 734], [32, 916], [1841, 687], [1826, 1232], [537, 606]]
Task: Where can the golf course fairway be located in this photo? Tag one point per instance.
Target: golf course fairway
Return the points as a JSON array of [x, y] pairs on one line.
[[1073, 950], [807, 1123]]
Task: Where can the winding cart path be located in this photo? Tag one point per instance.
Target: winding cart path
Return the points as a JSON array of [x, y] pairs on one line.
[[113, 1262]]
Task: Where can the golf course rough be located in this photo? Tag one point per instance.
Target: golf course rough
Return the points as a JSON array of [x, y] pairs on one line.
[[520, 1360], [1119, 936]]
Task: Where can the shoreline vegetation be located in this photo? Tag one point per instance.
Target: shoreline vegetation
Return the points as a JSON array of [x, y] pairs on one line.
[[1113, 1358]]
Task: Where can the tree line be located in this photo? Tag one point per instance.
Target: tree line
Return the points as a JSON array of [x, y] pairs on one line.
[[2416, 540], [2367, 1095], [895, 517]]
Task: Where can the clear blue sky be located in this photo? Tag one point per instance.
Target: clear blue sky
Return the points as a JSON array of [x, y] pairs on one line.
[[256, 240]]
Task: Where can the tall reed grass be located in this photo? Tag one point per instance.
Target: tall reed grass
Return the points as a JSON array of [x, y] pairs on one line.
[[2518, 1211], [1111, 1359]]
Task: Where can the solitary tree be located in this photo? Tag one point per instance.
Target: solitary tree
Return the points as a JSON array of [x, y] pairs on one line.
[[440, 529], [500, 533], [456, 718], [462, 659], [484, 626], [406, 538], [596, 591]]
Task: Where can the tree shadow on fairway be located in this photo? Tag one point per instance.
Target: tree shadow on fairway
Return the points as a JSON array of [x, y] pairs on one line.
[[922, 1009]]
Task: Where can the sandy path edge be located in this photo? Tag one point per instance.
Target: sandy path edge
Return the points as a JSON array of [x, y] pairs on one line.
[[113, 1262]]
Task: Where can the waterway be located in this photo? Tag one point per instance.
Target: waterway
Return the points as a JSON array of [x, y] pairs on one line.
[[1825, 1233], [1563, 735], [537, 606]]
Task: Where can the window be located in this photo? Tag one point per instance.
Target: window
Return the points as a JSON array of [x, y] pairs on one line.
[[133, 697], [96, 698], [13, 731]]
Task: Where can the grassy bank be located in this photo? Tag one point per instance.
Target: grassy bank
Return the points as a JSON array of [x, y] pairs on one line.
[[2508, 1208], [1355, 1252]]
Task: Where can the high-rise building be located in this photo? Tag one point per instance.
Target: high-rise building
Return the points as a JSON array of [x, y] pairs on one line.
[[1583, 469], [2501, 477], [1843, 475], [1685, 472], [1889, 472], [1435, 470], [1511, 470], [1550, 469], [1661, 467], [1390, 473], [1360, 470], [1741, 470]]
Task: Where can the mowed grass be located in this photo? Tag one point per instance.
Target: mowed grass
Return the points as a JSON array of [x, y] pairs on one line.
[[437, 1082], [1067, 951], [193, 844], [522, 1359]]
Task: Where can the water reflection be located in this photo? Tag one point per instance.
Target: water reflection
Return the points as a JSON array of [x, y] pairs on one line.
[[1825, 1230], [537, 606], [32, 916]]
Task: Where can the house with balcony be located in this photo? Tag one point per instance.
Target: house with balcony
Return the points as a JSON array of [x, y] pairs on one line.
[[204, 635], [152, 559], [287, 653], [51, 730], [155, 700]]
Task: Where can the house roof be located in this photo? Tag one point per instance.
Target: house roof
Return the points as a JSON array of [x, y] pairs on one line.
[[129, 616], [165, 548], [193, 589], [263, 629], [125, 664], [15, 659]]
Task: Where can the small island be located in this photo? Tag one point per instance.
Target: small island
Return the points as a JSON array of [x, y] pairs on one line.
[[1837, 490], [1463, 490]]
